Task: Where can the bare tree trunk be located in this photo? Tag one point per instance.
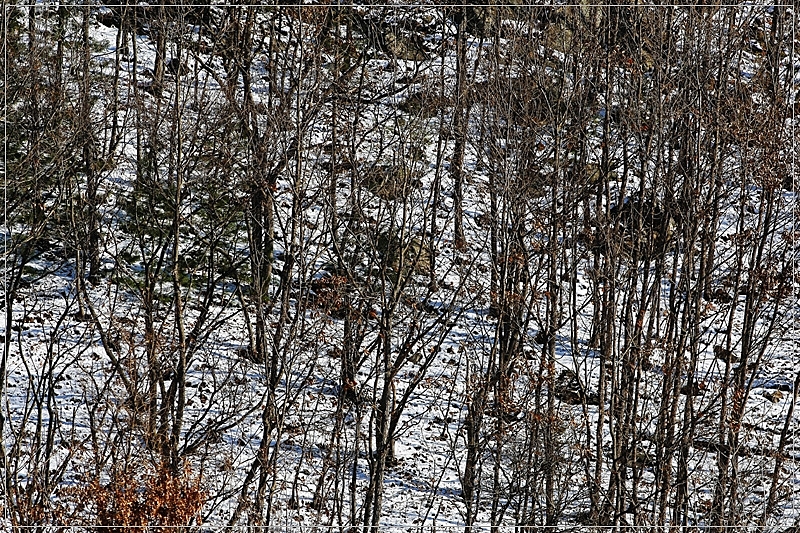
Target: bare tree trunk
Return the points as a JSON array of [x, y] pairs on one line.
[[460, 122], [160, 26], [89, 164], [179, 382]]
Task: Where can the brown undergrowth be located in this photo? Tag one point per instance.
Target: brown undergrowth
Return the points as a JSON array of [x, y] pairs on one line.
[[134, 500]]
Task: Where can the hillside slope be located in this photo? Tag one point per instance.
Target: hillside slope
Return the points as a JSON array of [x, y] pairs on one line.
[[327, 265]]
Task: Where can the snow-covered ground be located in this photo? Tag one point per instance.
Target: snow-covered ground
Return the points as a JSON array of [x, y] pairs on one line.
[[76, 349]]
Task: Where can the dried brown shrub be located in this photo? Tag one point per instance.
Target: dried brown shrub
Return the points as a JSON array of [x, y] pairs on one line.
[[328, 294], [132, 501]]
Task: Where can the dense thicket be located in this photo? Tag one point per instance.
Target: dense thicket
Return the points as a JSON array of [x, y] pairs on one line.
[[366, 265]]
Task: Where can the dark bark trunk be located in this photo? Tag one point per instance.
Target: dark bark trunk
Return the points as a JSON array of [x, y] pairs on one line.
[[460, 120]]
